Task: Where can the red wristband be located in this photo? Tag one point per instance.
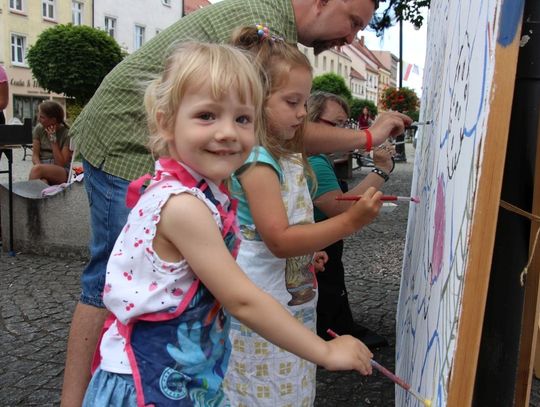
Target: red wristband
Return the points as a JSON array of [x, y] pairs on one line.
[[369, 141]]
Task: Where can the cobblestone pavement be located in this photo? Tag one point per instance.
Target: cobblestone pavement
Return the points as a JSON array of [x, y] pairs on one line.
[[38, 295]]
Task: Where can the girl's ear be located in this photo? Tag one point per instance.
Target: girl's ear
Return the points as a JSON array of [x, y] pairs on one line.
[[164, 126]]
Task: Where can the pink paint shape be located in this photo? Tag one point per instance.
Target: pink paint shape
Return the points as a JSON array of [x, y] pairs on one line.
[[438, 237]]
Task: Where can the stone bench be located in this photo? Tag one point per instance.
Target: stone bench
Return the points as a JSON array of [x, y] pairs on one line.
[[56, 225]]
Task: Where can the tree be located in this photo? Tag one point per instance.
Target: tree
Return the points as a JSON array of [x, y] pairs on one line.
[[406, 10], [73, 60], [402, 100], [330, 82], [357, 105]]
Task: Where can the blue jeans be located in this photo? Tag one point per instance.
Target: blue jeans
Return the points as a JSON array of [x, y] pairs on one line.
[[108, 215]]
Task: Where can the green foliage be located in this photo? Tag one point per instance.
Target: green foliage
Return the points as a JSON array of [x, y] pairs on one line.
[[357, 105], [402, 100], [406, 10], [73, 59], [72, 110], [330, 82]]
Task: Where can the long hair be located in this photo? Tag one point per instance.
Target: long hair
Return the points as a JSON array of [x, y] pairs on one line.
[[53, 110], [277, 58], [190, 66]]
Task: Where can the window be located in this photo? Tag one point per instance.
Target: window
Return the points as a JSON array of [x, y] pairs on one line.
[[16, 5], [139, 36], [18, 49], [324, 63], [25, 107], [316, 61], [110, 26], [332, 65], [47, 9], [76, 13]]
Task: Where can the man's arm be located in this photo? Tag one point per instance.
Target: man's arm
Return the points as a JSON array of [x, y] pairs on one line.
[[320, 138]]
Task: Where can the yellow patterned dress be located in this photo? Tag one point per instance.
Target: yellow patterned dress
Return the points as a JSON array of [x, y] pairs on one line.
[[260, 373]]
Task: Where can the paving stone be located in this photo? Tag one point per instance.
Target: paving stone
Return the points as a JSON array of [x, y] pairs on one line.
[[38, 295]]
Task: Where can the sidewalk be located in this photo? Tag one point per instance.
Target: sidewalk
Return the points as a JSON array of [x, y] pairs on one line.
[[21, 168], [38, 295]]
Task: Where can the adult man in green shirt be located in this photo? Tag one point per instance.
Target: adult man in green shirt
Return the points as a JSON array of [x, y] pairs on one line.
[[110, 133]]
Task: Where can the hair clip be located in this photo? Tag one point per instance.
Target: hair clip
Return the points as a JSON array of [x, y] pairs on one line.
[[262, 31]]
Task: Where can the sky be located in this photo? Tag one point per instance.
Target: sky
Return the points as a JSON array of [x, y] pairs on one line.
[[414, 47]]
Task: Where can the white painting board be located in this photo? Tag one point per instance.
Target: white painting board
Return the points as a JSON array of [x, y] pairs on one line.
[[469, 103]]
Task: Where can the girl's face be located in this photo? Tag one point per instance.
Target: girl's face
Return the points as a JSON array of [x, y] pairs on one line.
[[45, 121], [213, 137], [286, 108]]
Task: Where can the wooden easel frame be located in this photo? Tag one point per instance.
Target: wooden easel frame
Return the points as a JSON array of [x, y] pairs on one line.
[[529, 351]]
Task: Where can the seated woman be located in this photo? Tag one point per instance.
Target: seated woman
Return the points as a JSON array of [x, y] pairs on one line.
[[333, 309], [51, 155]]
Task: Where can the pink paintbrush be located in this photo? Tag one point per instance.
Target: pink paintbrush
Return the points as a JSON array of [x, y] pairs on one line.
[[397, 380], [414, 199]]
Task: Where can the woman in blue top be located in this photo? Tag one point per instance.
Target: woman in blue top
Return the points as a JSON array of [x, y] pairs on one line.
[[333, 309]]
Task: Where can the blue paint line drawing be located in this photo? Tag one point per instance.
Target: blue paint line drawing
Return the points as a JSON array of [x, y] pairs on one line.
[[510, 17]]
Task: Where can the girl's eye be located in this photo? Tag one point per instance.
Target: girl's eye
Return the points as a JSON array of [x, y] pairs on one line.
[[244, 119], [292, 102], [206, 116]]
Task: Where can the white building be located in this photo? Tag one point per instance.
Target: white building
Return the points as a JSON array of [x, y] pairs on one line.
[[367, 67], [134, 22], [358, 84], [331, 61]]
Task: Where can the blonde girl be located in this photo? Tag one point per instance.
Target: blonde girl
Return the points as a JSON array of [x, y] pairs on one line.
[[279, 236], [171, 271]]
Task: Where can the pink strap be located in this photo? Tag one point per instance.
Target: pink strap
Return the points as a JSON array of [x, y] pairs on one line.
[[96, 359], [134, 190]]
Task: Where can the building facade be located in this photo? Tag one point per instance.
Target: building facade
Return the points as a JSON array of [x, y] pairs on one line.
[[390, 63], [331, 61], [21, 22], [358, 85], [131, 24]]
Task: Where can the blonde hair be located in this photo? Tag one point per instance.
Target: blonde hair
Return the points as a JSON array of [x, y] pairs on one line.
[[192, 65], [278, 58]]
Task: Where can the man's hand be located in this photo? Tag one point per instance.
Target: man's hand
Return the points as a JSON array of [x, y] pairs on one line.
[[388, 124]]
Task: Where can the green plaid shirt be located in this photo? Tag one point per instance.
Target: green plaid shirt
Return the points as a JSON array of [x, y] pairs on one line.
[[111, 130]]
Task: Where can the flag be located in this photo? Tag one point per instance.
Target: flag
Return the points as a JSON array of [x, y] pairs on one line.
[[408, 69], [411, 68]]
